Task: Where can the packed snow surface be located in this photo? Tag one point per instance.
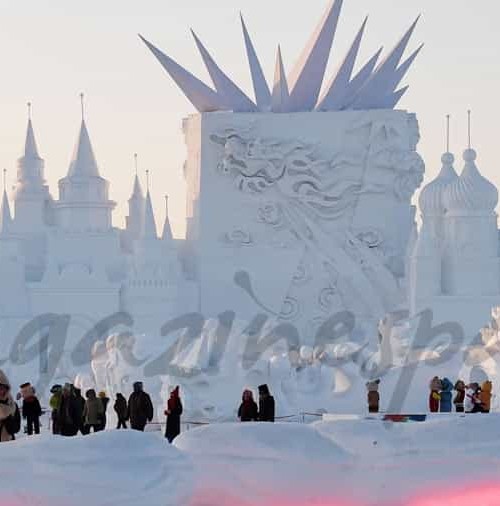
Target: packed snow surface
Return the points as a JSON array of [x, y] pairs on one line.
[[448, 460]]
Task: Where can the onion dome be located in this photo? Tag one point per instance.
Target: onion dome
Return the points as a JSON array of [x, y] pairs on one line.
[[431, 197], [471, 192]]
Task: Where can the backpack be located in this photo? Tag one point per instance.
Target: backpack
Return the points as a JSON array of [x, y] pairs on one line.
[[13, 423]]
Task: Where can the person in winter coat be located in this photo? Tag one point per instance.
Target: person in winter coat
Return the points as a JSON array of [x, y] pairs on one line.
[[140, 407], [472, 403], [434, 396], [55, 404], [248, 410], [105, 402], [69, 413], [93, 412], [80, 406], [173, 414], [445, 405], [266, 404], [459, 397], [373, 396], [10, 418], [485, 396], [121, 410], [32, 411]]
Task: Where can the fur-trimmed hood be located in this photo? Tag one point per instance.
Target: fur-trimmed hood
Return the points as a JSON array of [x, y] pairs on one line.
[[3, 379]]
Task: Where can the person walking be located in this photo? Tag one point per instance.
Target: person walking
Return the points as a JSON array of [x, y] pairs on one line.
[[140, 407], [10, 417], [80, 406], [93, 412], [248, 410], [446, 395], [32, 411], [373, 396], [460, 396], [55, 405], [121, 410], [266, 404], [105, 402], [173, 414], [69, 419]]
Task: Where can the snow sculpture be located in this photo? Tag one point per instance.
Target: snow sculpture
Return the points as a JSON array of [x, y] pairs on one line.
[[296, 234], [371, 88], [455, 262]]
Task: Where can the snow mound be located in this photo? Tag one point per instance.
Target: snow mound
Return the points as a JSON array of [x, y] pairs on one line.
[[104, 469], [260, 441]]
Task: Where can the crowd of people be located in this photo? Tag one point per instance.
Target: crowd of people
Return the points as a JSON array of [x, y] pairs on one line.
[[72, 414], [471, 398]]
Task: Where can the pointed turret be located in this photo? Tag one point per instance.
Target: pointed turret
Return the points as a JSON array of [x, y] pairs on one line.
[[84, 203], [30, 165], [166, 235], [149, 228], [136, 203], [5, 216], [280, 90], [83, 164]]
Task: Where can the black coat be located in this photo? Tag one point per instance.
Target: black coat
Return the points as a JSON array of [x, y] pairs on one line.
[[174, 421], [69, 416], [32, 408], [121, 408], [140, 410], [266, 408], [248, 411]]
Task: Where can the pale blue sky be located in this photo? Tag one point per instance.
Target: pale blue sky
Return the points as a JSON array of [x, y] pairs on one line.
[[53, 49]]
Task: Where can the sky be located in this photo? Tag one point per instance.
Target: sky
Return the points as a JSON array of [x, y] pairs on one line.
[[52, 50]]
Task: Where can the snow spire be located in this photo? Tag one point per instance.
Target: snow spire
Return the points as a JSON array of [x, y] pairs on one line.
[[260, 86], [5, 216], [149, 228], [166, 235], [30, 165], [137, 193], [83, 163], [280, 90]]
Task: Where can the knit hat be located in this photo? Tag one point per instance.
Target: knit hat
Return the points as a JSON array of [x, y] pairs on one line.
[[4, 381], [102, 394], [264, 390]]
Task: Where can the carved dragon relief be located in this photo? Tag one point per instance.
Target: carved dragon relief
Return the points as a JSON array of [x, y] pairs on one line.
[[309, 195]]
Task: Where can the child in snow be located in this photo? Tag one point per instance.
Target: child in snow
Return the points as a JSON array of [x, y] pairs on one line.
[[446, 396], [373, 396], [10, 420], [434, 396], [460, 396], [32, 411], [121, 409], [485, 396]]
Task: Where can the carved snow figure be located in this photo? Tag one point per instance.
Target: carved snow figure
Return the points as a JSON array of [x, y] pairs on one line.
[[98, 362], [446, 394], [434, 396]]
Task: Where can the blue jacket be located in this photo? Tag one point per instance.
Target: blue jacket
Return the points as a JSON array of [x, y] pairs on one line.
[[446, 396]]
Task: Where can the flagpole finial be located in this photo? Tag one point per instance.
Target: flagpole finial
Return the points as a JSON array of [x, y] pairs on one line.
[[469, 114], [4, 179], [447, 133], [147, 179], [29, 110], [82, 104], [135, 163]]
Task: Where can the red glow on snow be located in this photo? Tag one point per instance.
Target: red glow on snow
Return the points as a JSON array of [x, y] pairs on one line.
[[472, 495]]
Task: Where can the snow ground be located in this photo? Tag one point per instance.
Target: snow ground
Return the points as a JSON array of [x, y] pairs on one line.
[[447, 461]]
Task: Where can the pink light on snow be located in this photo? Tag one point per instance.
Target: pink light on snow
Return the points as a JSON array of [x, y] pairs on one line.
[[486, 494]]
